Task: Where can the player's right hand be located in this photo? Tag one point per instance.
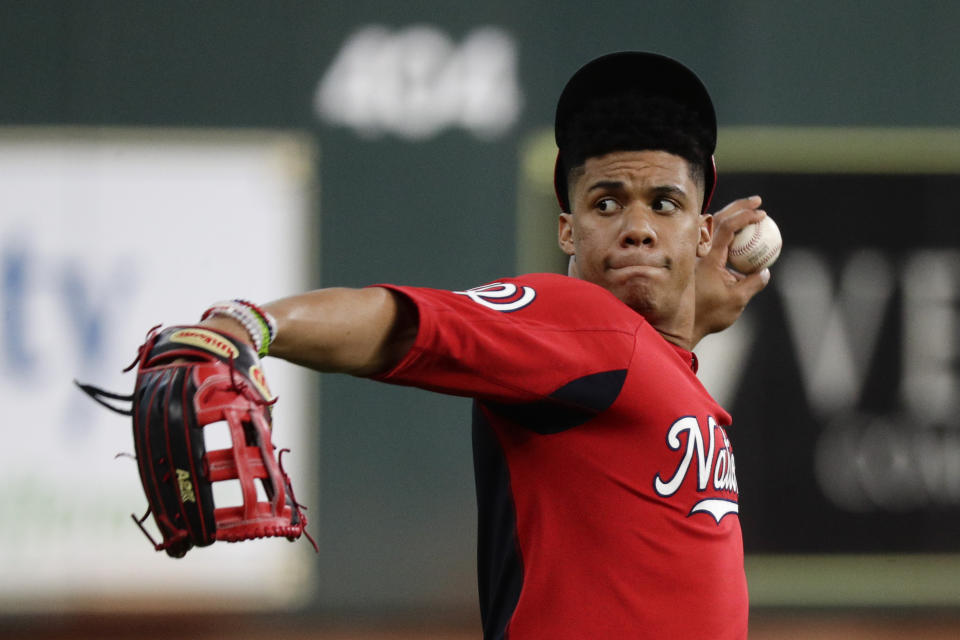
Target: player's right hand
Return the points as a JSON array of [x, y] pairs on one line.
[[723, 294]]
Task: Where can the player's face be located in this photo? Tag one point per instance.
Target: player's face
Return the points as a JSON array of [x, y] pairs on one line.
[[635, 229]]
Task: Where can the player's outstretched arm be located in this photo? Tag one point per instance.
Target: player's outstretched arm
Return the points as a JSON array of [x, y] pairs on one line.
[[356, 331], [722, 294]]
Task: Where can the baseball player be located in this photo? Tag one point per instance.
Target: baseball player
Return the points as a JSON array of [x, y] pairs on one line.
[[606, 483]]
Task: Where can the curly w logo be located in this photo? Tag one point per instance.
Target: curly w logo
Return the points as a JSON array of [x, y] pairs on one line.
[[501, 296]]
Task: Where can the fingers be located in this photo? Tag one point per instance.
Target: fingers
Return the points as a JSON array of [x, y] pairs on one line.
[[734, 217], [751, 202], [751, 285]]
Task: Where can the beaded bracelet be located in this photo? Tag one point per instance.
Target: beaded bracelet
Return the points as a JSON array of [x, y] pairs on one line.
[[265, 319], [245, 317]]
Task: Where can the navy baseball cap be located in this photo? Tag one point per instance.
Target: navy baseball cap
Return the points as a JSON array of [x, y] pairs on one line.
[[649, 75]]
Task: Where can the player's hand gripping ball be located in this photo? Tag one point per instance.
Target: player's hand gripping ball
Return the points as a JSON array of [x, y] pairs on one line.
[[756, 246], [188, 378]]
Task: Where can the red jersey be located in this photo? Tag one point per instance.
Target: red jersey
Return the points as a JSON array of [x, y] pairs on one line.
[[606, 483]]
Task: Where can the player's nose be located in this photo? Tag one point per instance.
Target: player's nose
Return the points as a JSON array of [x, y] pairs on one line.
[[637, 229]]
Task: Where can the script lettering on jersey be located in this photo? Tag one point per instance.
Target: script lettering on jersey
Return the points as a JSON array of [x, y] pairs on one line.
[[716, 467], [501, 296]]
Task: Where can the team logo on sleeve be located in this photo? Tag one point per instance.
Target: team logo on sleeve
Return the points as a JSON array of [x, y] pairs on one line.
[[501, 296]]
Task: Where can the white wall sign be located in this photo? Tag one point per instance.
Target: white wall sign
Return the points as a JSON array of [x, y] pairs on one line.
[[103, 235]]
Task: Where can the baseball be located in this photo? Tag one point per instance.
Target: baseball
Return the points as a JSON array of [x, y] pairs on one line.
[[756, 246]]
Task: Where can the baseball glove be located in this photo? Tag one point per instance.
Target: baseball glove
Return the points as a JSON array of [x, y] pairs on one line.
[[189, 377]]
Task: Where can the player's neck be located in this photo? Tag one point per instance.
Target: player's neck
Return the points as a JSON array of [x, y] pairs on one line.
[[678, 328], [682, 340]]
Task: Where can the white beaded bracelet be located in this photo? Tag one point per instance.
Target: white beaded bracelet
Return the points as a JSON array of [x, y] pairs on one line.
[[267, 320], [242, 314]]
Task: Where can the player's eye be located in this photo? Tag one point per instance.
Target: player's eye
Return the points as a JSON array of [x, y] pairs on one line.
[[664, 205], [607, 205]]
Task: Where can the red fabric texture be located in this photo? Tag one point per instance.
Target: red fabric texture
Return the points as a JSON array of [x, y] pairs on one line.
[[627, 524]]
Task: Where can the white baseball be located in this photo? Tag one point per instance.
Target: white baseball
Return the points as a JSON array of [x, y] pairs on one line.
[[756, 246]]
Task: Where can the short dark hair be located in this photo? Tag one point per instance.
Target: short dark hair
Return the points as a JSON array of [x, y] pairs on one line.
[[634, 121]]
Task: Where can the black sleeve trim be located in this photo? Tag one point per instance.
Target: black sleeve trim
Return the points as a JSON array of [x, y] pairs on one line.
[[571, 405]]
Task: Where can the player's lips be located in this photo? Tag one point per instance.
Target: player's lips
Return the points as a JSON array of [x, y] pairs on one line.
[[639, 265]]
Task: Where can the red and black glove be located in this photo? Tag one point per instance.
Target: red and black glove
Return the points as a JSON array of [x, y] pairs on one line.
[[189, 377]]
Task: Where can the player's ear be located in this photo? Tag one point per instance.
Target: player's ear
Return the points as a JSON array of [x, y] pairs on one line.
[[565, 233], [706, 235]]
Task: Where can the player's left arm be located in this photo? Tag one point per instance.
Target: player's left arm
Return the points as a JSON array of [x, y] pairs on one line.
[[722, 294]]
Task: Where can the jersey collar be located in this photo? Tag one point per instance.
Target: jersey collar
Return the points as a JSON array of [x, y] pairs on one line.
[[688, 356]]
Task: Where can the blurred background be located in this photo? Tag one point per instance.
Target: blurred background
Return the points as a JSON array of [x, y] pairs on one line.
[[156, 157]]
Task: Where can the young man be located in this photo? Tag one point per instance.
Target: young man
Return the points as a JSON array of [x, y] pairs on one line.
[[606, 482]]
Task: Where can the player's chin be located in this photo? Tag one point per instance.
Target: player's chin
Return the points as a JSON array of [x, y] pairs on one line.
[[640, 294]]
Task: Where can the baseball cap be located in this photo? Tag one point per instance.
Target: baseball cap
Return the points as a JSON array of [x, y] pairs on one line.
[[649, 75]]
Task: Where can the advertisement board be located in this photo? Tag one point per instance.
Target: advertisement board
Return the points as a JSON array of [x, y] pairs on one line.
[[105, 234]]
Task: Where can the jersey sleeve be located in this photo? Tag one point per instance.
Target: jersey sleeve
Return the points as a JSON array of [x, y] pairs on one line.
[[515, 340]]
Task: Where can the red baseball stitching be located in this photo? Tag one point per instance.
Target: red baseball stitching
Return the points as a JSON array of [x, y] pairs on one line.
[[751, 243], [772, 251], [769, 254]]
